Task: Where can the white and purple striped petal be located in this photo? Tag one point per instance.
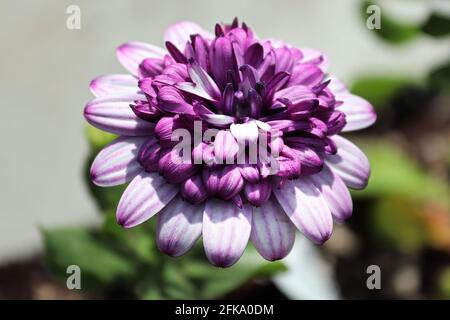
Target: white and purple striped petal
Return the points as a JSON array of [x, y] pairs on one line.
[[306, 207], [112, 113], [180, 32], [225, 147], [335, 193], [350, 163], [145, 196], [117, 162], [359, 113], [131, 54], [179, 226], [273, 234], [113, 84], [316, 57], [226, 231]]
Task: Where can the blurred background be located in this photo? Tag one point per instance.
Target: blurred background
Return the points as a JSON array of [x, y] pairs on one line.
[[52, 217]]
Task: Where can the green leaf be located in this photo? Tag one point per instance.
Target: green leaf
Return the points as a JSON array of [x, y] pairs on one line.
[[398, 221], [444, 283], [138, 241], [380, 89], [101, 266], [437, 25], [213, 282], [439, 78], [98, 138], [393, 172], [177, 284], [391, 31]]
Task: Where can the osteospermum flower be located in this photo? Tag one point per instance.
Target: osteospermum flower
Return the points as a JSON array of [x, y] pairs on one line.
[[244, 87]]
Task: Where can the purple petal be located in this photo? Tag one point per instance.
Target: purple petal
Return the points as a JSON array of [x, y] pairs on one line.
[[316, 57], [201, 51], [207, 115], [145, 196], [228, 99], [194, 190], [149, 155], [179, 226], [145, 111], [306, 74], [254, 55], [113, 114], [176, 54], [250, 172], [175, 168], [113, 83], [211, 179], [221, 60], [295, 95], [307, 209], [226, 231], [284, 58], [335, 193], [170, 100], [150, 67], [231, 182], [311, 161], [131, 54], [202, 79], [193, 89], [117, 162], [350, 163], [180, 32], [273, 234], [225, 147], [258, 193], [359, 113]]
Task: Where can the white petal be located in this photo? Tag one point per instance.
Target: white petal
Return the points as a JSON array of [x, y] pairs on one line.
[[131, 54], [114, 83], [245, 132], [273, 234], [307, 209], [226, 230], [112, 113], [145, 196], [117, 162], [335, 193], [359, 113], [179, 227], [180, 32], [350, 163]]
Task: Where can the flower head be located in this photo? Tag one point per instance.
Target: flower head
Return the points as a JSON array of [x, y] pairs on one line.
[[266, 157]]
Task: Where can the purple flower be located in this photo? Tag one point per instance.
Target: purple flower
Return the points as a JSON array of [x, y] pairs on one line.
[[245, 88]]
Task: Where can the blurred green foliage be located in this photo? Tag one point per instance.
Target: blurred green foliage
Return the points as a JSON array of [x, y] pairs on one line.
[[392, 31], [394, 173], [437, 25], [379, 89], [397, 33], [439, 77]]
